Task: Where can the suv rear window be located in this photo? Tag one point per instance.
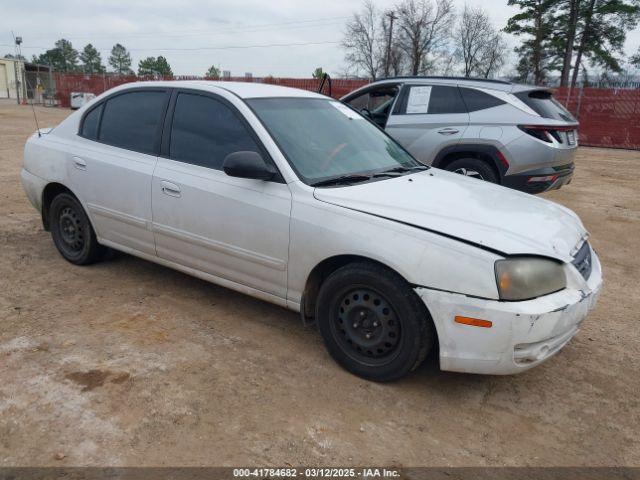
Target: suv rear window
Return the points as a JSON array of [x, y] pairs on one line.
[[131, 120], [477, 100], [543, 103]]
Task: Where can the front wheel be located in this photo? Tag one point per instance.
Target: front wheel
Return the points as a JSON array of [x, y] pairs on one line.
[[473, 168], [373, 323], [72, 232]]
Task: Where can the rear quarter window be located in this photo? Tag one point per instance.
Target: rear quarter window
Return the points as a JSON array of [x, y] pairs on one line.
[[90, 123], [476, 100]]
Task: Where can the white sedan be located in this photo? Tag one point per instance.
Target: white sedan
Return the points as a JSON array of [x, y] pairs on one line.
[[296, 199]]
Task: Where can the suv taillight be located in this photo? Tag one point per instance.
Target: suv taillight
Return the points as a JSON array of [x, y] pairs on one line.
[[546, 132]]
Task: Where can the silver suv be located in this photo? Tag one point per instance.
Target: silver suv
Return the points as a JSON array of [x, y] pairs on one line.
[[516, 135]]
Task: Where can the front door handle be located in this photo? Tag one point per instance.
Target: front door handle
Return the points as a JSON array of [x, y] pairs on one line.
[[79, 163], [448, 131], [170, 189]]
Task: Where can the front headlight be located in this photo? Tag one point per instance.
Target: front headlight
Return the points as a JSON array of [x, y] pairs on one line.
[[525, 278]]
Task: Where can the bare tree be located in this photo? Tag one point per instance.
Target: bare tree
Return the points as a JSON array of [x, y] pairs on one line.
[[474, 30], [493, 56], [362, 40], [424, 28], [481, 48]]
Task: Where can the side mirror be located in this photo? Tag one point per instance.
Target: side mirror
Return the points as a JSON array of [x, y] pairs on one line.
[[247, 165]]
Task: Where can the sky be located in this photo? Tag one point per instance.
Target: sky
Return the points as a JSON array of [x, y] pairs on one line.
[[283, 38]]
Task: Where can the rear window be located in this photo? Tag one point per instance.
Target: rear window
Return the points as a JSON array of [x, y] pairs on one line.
[[543, 103], [131, 120], [477, 100]]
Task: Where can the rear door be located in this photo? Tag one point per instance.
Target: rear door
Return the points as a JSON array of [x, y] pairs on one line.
[[236, 229], [112, 164], [427, 119]]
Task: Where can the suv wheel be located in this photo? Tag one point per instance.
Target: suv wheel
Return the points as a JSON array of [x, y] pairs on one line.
[[72, 232], [373, 323], [474, 168]]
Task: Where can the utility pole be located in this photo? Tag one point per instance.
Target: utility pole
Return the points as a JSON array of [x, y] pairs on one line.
[[16, 66], [392, 17]]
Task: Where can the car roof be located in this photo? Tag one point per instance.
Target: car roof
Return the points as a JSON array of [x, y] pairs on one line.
[[241, 89], [501, 85]]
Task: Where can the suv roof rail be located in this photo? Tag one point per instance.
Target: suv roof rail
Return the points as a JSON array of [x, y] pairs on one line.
[[435, 77]]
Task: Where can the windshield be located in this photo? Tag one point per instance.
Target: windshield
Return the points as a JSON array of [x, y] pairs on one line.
[[324, 139]]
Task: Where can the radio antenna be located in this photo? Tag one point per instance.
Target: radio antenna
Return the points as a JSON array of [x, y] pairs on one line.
[[33, 109]]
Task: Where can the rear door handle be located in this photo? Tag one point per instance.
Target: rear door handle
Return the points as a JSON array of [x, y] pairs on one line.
[[448, 131], [79, 163], [170, 189]]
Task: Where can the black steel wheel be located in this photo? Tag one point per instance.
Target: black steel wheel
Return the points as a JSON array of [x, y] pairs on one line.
[[372, 322], [72, 232], [365, 326]]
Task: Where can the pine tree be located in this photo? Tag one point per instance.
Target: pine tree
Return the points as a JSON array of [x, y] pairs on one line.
[[162, 67], [63, 57], [120, 60], [536, 23], [91, 60], [213, 72], [602, 31], [155, 67], [146, 67]]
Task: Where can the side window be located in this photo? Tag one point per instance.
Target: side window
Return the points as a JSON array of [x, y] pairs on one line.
[[204, 131], [360, 102], [446, 100], [375, 100], [131, 120], [433, 99], [477, 100], [90, 123]]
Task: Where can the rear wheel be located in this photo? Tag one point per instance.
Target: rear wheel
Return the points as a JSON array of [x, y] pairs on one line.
[[474, 168], [372, 322], [72, 232]]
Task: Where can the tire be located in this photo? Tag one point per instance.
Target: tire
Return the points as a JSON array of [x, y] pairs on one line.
[[363, 299], [473, 168], [72, 232]]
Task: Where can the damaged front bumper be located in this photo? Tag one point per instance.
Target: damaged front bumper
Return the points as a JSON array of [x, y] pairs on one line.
[[522, 334]]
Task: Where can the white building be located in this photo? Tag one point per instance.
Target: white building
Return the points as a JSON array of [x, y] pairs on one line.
[[12, 77]]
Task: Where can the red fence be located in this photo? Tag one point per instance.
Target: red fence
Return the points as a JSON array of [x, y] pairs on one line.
[[72, 82], [608, 117]]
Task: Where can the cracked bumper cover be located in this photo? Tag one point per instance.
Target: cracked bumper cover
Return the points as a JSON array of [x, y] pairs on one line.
[[523, 334]]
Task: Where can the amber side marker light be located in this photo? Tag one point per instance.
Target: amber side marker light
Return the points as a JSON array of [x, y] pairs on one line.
[[474, 322]]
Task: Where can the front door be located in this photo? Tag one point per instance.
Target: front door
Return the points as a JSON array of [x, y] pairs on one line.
[[233, 228], [376, 103]]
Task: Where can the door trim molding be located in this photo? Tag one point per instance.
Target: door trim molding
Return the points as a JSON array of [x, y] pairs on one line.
[[221, 247], [115, 215]]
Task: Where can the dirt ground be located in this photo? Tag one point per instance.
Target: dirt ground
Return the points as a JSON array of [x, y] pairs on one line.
[[129, 363]]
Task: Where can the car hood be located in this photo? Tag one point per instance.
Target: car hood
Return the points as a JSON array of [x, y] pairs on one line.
[[488, 215]]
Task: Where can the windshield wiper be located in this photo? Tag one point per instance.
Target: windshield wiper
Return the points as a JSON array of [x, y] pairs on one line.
[[399, 170], [355, 177]]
